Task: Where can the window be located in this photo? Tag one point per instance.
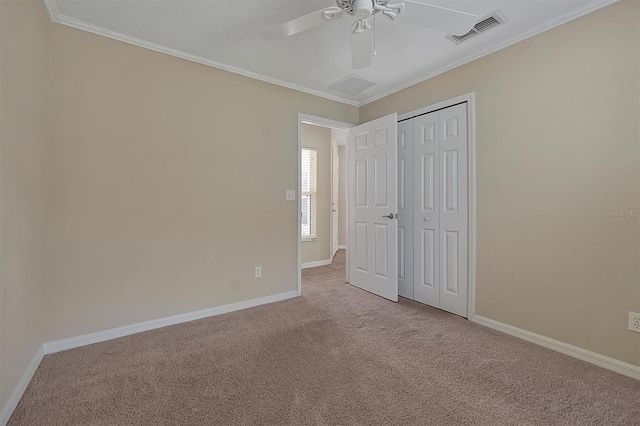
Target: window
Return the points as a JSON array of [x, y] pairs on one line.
[[309, 193]]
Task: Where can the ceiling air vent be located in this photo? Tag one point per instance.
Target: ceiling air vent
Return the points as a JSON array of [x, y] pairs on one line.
[[352, 85], [485, 24]]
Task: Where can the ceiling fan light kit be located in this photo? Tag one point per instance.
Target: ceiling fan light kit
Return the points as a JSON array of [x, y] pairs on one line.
[[365, 9], [420, 14]]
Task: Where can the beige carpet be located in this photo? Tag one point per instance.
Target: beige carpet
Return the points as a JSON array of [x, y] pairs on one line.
[[337, 355]]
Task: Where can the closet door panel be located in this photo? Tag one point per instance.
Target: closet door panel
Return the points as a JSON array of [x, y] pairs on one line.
[[453, 209], [426, 209], [405, 209]]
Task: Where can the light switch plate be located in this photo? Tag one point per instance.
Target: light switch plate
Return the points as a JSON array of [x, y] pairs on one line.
[[290, 195]]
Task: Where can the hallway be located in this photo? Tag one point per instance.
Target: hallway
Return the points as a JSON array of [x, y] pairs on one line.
[[326, 277]]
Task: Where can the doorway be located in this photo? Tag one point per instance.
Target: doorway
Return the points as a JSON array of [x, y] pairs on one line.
[[336, 176], [322, 199]]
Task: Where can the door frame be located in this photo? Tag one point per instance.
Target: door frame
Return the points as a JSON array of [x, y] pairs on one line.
[[317, 121], [335, 183], [470, 99]]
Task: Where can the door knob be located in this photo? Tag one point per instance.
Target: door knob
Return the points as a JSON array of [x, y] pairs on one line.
[[389, 216]]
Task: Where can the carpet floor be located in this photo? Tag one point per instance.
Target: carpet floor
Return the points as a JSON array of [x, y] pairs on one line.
[[336, 355]]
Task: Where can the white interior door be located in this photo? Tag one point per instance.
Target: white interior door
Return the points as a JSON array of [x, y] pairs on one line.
[[452, 154], [373, 227], [405, 209], [441, 206], [334, 196], [426, 219]]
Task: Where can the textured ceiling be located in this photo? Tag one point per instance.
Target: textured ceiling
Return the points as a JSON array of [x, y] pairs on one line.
[[225, 34]]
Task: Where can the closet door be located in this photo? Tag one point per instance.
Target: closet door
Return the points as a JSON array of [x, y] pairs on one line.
[[426, 209], [453, 217], [405, 209], [441, 209]]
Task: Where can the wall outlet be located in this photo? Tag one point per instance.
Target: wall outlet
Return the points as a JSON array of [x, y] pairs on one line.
[[290, 195], [634, 322], [258, 271]]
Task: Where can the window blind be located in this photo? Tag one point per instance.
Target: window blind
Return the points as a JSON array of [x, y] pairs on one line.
[[309, 192]]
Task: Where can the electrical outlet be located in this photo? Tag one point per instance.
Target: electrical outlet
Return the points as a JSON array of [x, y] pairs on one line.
[[258, 271], [634, 322]]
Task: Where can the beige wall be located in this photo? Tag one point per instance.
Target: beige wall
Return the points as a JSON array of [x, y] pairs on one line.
[[557, 145], [24, 47], [342, 199], [320, 138], [166, 184]]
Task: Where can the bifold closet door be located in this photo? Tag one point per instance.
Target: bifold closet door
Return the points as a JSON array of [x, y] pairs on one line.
[[452, 154], [405, 209], [441, 209], [426, 208]]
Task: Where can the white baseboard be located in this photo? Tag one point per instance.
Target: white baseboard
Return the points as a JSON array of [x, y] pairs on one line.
[[101, 336], [114, 333], [17, 393], [316, 264], [342, 247], [612, 364]]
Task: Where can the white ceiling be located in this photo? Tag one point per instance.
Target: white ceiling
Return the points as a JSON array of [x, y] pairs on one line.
[[225, 34]]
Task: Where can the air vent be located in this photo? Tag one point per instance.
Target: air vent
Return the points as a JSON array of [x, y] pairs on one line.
[[460, 39], [485, 24], [352, 85]]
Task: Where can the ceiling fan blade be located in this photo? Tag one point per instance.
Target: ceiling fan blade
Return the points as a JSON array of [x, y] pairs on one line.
[[437, 18], [361, 49], [302, 23]]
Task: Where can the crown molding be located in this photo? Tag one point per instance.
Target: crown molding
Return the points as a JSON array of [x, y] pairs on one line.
[[52, 9], [56, 16], [545, 26]]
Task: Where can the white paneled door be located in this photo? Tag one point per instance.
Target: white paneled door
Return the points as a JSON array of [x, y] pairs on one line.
[[405, 209], [426, 209], [441, 209], [373, 225]]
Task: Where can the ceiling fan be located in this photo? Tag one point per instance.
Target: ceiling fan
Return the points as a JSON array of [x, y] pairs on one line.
[[364, 11]]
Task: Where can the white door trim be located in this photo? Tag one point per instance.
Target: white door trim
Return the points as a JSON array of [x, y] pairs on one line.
[[335, 200], [318, 121], [470, 99]]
